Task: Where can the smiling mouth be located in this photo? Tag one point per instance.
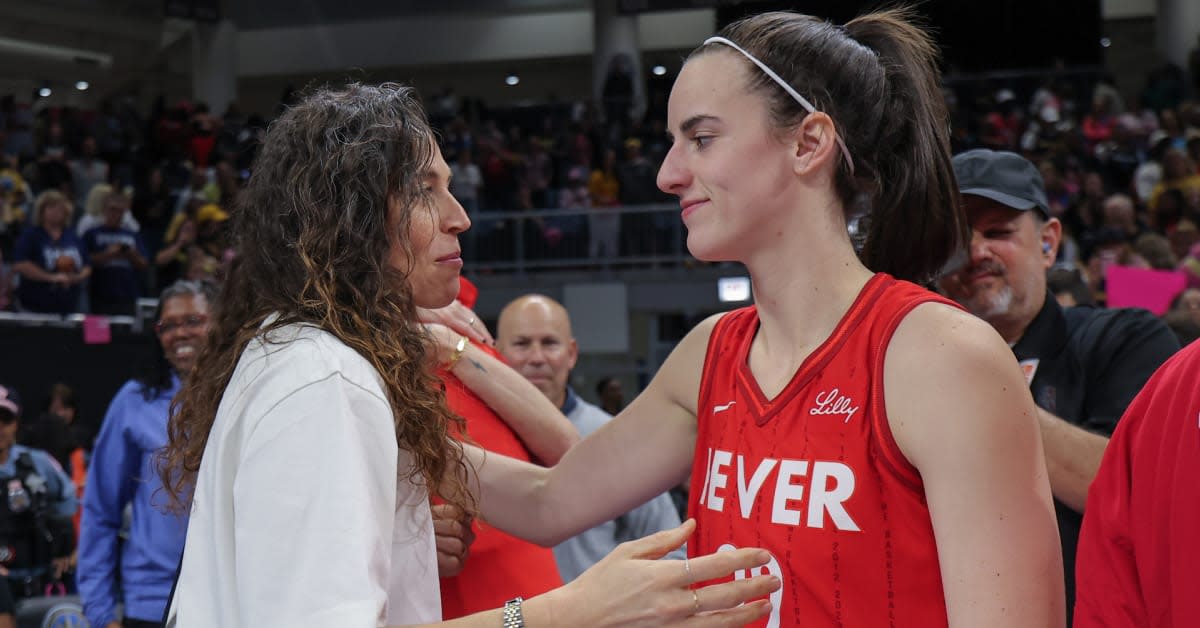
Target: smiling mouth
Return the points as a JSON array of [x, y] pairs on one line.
[[690, 206]]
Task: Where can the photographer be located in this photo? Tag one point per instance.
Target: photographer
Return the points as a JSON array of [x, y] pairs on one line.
[[38, 499], [118, 259]]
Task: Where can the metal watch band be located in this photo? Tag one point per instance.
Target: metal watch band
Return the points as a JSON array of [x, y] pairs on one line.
[[512, 613]]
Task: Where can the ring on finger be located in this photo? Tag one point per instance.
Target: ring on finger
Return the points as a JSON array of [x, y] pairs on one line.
[[687, 568], [695, 602], [471, 322]]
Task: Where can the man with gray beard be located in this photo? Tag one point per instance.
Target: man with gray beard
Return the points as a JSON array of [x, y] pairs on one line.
[[1083, 364]]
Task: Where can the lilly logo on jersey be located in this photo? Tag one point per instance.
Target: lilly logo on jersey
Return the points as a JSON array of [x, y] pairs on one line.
[[831, 484], [833, 402]]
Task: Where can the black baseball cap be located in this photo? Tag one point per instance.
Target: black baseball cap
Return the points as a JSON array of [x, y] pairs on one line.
[[1004, 177]]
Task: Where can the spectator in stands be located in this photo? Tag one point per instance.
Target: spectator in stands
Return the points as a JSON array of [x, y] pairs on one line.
[[50, 259], [1155, 249], [640, 231], [93, 213], [87, 171], [466, 186], [211, 232], [575, 195], [1187, 302], [15, 204], [1083, 364], [1098, 124], [534, 336], [1179, 173], [51, 170], [618, 93], [58, 431], [1068, 286], [137, 572], [152, 208], [1120, 215], [1084, 217], [1120, 156], [608, 391], [35, 515], [118, 257], [1149, 173], [180, 238], [604, 188]]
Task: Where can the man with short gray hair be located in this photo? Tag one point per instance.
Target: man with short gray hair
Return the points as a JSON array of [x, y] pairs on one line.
[[534, 335]]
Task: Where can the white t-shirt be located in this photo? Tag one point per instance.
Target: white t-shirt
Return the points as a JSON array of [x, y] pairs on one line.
[[301, 515]]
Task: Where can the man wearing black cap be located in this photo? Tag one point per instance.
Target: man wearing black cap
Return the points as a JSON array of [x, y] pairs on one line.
[[1084, 365]]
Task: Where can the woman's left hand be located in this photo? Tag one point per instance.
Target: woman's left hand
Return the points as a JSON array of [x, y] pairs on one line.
[[461, 319], [454, 536]]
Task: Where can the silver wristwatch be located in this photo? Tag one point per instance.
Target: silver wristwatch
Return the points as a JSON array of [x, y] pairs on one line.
[[512, 613]]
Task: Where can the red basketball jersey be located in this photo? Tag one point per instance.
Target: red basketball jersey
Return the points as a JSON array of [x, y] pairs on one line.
[[814, 476]]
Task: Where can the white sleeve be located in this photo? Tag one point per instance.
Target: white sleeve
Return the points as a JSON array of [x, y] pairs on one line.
[[314, 503]]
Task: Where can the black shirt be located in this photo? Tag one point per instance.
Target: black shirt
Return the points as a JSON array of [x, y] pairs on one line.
[[1090, 363]]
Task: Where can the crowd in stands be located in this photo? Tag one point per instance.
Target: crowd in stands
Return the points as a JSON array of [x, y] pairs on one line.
[[100, 207]]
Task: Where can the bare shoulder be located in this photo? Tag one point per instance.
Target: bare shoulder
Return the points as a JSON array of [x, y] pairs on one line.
[[939, 330], [948, 376]]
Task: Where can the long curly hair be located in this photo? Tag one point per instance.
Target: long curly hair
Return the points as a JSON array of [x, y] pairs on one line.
[[312, 242]]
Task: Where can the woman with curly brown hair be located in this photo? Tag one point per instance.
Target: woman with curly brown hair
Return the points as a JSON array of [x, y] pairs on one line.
[[313, 431]]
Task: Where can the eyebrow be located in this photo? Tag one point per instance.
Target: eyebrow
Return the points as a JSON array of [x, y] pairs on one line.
[[693, 122]]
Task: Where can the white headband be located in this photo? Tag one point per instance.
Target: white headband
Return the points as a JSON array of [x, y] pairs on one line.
[[787, 88]]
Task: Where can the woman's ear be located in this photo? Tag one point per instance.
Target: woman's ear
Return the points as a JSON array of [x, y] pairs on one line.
[[816, 143]]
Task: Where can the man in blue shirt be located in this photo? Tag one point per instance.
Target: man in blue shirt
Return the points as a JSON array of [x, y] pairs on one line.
[[36, 505], [124, 474]]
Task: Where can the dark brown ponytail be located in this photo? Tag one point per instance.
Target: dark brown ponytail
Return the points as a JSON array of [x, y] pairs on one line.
[[915, 223]]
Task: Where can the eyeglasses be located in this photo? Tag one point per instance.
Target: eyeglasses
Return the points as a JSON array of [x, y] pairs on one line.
[[193, 322]]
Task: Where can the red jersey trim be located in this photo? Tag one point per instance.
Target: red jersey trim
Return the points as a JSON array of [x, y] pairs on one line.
[[765, 409], [715, 339], [892, 456]]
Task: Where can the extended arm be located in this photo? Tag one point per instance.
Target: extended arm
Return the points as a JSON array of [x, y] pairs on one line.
[[967, 422], [540, 426], [643, 452], [1072, 458]]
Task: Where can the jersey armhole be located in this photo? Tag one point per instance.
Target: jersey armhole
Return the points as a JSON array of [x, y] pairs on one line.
[[716, 340], [885, 441]]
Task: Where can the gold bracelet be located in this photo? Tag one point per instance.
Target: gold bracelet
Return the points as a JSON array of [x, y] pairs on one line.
[[459, 348]]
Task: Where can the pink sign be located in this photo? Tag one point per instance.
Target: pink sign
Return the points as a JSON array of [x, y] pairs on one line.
[[96, 330], [1143, 287]]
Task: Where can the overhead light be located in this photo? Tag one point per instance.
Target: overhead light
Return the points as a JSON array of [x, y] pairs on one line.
[[1105, 42], [82, 86], [659, 70], [511, 80], [44, 92]]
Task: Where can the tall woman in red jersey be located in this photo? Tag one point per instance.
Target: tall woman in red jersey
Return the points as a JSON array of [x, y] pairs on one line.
[[879, 441]]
